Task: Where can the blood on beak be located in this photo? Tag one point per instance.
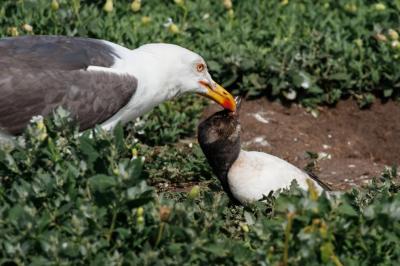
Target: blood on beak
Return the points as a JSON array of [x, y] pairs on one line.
[[218, 94]]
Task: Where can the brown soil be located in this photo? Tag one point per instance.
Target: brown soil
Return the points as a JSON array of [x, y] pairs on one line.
[[356, 144]]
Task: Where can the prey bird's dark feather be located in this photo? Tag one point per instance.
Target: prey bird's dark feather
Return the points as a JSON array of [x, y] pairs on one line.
[[319, 181]]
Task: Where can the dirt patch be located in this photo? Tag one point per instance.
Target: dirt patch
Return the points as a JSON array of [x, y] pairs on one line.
[[356, 144]]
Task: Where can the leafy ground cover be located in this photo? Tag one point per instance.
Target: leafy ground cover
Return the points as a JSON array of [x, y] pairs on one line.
[[84, 200], [309, 51], [74, 199]]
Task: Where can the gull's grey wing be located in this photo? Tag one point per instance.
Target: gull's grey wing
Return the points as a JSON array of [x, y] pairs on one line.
[[92, 97], [55, 52], [40, 73]]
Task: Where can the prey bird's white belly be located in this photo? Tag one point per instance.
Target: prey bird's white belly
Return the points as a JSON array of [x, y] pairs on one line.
[[255, 174]]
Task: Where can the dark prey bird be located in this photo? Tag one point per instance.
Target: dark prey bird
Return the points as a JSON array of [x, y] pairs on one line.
[[246, 175]]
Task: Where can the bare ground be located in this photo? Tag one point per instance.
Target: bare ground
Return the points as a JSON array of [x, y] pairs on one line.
[[355, 144]]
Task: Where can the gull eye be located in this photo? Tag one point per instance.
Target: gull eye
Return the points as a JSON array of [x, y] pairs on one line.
[[200, 67]]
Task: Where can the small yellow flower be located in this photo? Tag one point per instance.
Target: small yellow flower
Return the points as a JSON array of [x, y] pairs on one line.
[[55, 5], [244, 227], [316, 221], [231, 13], [379, 7], [146, 20], [39, 128], [194, 192], [380, 37], [140, 211], [27, 27], [140, 220], [393, 34], [284, 2], [139, 216], [164, 213], [13, 31], [358, 42], [180, 2], [323, 230], [351, 8], [134, 152], [136, 5], [228, 4], [173, 28], [108, 6], [312, 189]]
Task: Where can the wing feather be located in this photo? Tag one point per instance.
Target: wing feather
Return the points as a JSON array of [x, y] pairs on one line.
[[92, 97], [55, 52], [319, 181], [40, 73]]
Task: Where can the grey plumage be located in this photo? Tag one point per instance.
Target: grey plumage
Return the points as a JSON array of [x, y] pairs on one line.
[[54, 52], [40, 73]]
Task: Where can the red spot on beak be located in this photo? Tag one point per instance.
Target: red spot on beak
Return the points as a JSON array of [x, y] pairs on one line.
[[227, 104]]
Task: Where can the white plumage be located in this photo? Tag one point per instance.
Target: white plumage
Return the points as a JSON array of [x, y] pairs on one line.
[[246, 175], [156, 74], [255, 174], [99, 82]]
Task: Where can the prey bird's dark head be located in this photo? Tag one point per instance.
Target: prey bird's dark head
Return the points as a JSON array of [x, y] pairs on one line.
[[219, 138]]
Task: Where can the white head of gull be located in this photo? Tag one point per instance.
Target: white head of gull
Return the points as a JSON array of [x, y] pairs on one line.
[[98, 81], [165, 71]]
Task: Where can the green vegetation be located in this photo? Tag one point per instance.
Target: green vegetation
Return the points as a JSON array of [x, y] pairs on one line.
[[310, 51], [74, 199]]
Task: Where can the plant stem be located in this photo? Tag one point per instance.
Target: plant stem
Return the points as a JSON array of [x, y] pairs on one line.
[[290, 216], [336, 260], [160, 232], [111, 230]]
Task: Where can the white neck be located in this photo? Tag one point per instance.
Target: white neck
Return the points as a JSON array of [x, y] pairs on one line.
[[154, 85]]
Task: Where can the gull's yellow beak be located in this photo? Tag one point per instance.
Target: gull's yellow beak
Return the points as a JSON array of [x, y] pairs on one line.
[[218, 94]]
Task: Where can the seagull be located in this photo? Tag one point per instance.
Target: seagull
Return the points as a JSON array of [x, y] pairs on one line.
[[246, 176], [99, 82]]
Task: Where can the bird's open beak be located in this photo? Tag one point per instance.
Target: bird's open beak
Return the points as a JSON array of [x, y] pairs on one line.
[[218, 94]]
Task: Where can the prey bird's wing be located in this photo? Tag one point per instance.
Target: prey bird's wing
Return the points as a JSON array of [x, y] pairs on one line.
[[40, 73], [313, 176]]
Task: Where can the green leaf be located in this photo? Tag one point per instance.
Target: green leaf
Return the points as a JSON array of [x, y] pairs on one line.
[[301, 79], [119, 137], [102, 183], [326, 252], [86, 146], [348, 210], [387, 93], [339, 76]]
